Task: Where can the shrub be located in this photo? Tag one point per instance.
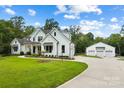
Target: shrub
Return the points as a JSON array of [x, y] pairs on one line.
[[28, 53], [21, 53], [34, 55], [64, 57]]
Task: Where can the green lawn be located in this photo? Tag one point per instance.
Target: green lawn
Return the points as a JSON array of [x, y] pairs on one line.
[[88, 56], [31, 73]]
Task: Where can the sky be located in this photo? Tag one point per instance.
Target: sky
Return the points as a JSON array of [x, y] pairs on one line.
[[101, 20]]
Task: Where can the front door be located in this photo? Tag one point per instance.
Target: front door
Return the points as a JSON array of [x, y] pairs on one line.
[[34, 48]]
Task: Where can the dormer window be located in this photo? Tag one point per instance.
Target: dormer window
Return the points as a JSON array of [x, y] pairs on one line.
[[33, 39], [40, 38], [54, 33]]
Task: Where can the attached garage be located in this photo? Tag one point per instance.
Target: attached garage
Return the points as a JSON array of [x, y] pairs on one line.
[[101, 49]]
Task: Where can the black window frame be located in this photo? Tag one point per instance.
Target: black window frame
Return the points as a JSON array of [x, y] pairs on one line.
[[49, 49], [40, 38], [63, 48]]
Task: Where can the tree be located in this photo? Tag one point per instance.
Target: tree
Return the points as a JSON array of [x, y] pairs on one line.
[[6, 35], [18, 22], [51, 23], [90, 35], [28, 30], [75, 32], [114, 40], [98, 39], [122, 30]]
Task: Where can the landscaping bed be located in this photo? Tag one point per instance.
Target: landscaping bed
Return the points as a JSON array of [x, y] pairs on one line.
[[34, 73]]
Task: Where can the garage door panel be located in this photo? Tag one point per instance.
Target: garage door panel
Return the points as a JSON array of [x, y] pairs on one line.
[[100, 53], [108, 53]]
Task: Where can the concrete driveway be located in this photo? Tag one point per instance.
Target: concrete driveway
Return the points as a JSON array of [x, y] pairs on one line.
[[105, 73]]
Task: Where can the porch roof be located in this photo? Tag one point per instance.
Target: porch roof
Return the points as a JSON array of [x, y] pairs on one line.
[[48, 44], [26, 41]]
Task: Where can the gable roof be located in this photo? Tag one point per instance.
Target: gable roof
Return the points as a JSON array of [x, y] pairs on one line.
[[51, 36], [100, 44], [60, 32]]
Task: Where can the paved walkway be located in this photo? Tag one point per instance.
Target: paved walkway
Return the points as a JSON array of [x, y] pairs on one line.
[[105, 73]]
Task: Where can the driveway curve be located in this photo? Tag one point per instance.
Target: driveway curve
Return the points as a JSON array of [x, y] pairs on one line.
[[101, 73]]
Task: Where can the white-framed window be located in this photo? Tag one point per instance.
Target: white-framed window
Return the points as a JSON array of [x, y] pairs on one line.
[[48, 48], [15, 42], [54, 33], [40, 38], [33, 39], [15, 48]]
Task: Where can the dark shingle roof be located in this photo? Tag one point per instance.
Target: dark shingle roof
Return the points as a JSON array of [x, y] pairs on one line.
[[26, 41]]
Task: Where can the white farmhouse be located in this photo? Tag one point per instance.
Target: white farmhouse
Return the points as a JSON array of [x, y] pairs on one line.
[[55, 43], [100, 49]]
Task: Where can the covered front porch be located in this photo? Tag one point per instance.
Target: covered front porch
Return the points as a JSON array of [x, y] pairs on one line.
[[36, 49], [33, 48]]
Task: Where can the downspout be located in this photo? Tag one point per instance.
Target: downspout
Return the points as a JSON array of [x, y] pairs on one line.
[[57, 48], [69, 49]]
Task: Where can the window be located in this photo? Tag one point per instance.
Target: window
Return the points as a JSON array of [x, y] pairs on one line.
[[15, 48], [48, 49], [63, 48], [15, 42], [54, 33], [100, 48], [33, 39], [39, 38], [39, 48]]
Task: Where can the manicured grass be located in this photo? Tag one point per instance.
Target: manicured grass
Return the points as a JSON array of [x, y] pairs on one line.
[[33, 73], [88, 56]]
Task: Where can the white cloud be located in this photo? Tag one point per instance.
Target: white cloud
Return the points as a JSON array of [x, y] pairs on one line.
[[64, 27], [77, 9], [37, 24], [31, 12], [115, 26], [74, 11], [71, 17], [114, 19], [61, 9], [93, 26], [10, 11], [99, 34], [87, 25]]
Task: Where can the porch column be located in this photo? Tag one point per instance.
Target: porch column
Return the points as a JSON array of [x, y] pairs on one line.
[[31, 49], [36, 49]]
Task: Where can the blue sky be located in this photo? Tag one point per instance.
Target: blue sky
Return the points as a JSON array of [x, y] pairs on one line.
[[100, 20]]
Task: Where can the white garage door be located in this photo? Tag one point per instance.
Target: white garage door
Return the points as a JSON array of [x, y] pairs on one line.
[[108, 53], [100, 53]]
